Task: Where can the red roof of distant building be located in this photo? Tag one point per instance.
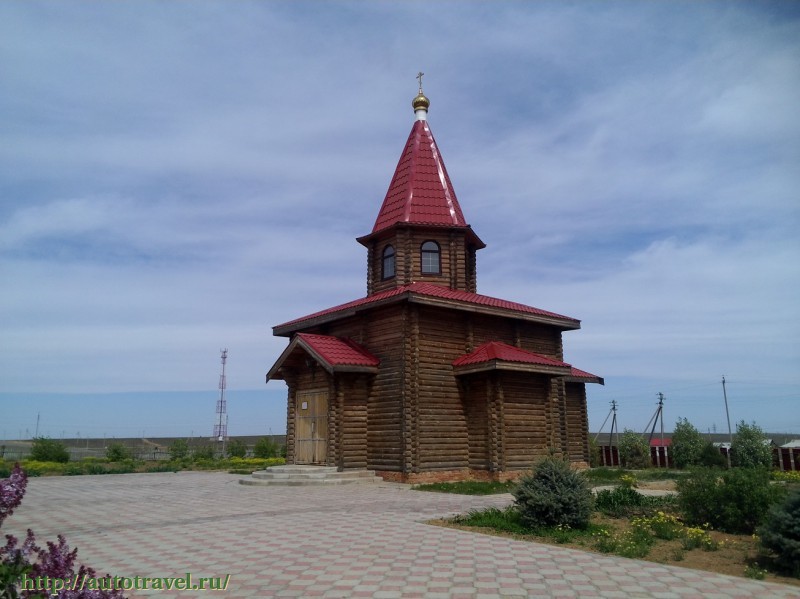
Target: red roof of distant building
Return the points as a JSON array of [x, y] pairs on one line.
[[657, 442], [497, 350], [339, 352], [420, 191], [432, 291]]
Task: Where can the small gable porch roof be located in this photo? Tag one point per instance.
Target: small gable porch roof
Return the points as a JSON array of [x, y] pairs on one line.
[[334, 354], [496, 355]]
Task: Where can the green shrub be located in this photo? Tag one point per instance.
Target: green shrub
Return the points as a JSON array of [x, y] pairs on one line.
[[204, 452], [178, 449], [633, 450], [553, 495], [594, 453], [711, 457], [733, 501], [117, 452], [781, 534], [266, 448], [505, 520], [687, 444], [236, 448], [49, 450], [749, 449]]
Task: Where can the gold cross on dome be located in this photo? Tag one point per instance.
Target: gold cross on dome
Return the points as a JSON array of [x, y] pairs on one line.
[[419, 76]]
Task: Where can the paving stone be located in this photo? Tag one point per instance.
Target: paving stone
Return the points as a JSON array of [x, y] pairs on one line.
[[333, 542]]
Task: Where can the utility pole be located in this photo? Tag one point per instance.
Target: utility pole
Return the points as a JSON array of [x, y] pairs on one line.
[[38, 414], [728, 416]]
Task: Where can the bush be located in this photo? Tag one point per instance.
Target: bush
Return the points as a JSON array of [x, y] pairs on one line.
[[204, 452], [554, 495], [633, 450], [687, 444], [749, 449], [711, 457], [237, 448], [178, 449], [781, 534], [733, 501], [594, 453], [49, 450], [265, 448], [117, 452], [625, 501]]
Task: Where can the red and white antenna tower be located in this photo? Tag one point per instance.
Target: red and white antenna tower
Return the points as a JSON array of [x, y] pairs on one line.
[[221, 427]]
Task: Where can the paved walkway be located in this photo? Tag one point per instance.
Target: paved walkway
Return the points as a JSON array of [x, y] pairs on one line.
[[344, 541]]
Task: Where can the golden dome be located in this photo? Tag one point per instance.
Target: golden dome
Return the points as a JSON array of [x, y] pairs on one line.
[[420, 102]]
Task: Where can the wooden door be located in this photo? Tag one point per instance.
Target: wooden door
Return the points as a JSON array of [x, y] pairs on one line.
[[311, 428]]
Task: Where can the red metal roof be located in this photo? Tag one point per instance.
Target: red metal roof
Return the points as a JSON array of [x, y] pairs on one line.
[[497, 350], [420, 191], [582, 376], [339, 352], [430, 290]]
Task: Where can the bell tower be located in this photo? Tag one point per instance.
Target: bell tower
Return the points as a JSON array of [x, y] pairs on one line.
[[420, 234]]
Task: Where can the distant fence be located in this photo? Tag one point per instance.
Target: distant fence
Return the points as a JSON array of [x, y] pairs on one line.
[[786, 459]]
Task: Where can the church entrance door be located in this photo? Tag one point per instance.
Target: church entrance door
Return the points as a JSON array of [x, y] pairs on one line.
[[311, 427]]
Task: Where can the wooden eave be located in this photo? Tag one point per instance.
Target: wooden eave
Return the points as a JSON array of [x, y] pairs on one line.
[[471, 237], [585, 379], [275, 372], [490, 365], [562, 323]]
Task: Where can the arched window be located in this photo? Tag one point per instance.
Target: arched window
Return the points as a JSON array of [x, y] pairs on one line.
[[387, 271], [431, 261]]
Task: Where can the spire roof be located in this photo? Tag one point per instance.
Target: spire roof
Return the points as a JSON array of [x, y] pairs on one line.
[[420, 192]]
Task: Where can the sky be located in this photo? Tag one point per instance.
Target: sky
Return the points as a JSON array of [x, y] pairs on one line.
[[178, 177]]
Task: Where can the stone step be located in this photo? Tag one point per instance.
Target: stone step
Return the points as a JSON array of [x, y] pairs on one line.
[[309, 475]]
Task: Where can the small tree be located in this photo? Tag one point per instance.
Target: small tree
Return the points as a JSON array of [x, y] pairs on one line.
[[117, 452], [553, 495], [178, 449], [781, 534], [49, 450], [687, 444], [711, 457], [749, 448], [633, 450], [237, 448], [265, 448]]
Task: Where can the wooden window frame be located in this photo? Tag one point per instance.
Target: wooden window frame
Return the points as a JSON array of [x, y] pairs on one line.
[[384, 258], [438, 252]]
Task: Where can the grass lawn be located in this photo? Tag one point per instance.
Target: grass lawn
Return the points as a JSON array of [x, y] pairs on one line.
[[468, 487]]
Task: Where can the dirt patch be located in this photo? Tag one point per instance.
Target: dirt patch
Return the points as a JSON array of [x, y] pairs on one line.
[[658, 485]]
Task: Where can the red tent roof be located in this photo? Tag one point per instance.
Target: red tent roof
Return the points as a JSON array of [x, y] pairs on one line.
[[423, 291], [420, 191], [497, 350]]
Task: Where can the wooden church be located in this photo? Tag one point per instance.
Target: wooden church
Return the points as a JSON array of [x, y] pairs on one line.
[[424, 379]]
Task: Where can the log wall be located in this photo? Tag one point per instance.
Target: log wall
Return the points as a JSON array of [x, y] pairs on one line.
[[457, 259], [525, 402]]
